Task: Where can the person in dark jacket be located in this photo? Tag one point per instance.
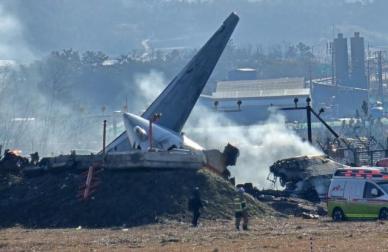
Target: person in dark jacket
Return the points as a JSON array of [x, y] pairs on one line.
[[195, 204]]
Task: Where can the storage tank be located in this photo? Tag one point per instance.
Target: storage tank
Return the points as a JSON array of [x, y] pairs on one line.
[[341, 59], [358, 77]]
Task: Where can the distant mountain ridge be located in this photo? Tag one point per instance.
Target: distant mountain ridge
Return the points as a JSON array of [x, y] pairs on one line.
[[118, 26]]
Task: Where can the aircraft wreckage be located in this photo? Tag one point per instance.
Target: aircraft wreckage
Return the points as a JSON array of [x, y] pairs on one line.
[[177, 100], [305, 176], [155, 139]]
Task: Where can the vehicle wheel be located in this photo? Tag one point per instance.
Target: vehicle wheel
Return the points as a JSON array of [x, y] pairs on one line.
[[383, 214], [338, 215]]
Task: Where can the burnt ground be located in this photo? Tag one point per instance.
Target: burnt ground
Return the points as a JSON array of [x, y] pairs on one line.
[[121, 199], [147, 211], [266, 234]]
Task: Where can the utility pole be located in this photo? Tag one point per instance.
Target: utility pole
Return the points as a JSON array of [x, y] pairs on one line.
[[104, 137], [310, 75], [380, 75], [368, 68], [126, 104], [310, 67], [308, 111], [332, 63]]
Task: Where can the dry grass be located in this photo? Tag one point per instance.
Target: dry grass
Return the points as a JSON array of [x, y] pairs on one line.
[[269, 234]]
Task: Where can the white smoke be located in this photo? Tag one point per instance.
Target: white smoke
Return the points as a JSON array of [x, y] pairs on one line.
[[260, 145], [12, 44], [147, 49], [148, 86]]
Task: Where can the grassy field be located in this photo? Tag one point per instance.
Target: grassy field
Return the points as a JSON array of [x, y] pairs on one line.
[[266, 234]]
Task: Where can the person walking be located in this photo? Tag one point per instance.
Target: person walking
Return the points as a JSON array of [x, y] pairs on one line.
[[241, 209], [195, 204]]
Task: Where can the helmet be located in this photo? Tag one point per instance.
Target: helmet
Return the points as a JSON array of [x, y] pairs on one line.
[[241, 190], [196, 191]]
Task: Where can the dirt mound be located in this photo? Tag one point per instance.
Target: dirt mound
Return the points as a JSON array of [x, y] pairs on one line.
[[122, 198]]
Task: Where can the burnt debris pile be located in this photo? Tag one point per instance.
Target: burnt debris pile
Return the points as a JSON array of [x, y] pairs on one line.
[[283, 203]]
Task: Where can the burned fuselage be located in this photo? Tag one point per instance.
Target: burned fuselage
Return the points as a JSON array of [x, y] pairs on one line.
[[305, 176]]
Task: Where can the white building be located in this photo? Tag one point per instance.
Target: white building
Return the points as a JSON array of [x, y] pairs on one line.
[[248, 101]]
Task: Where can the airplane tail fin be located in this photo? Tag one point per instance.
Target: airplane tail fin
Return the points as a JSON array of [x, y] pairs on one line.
[[179, 97]]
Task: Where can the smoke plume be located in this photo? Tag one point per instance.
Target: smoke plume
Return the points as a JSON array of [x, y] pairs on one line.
[[12, 44], [260, 145], [148, 86]]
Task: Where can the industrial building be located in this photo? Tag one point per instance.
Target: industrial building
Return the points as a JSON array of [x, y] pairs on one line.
[[338, 101], [250, 101], [247, 100], [345, 92]]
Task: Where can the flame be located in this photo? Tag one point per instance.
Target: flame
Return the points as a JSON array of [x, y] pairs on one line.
[[16, 152]]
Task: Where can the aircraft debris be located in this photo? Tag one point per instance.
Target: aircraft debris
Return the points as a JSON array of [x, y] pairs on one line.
[[286, 204], [12, 161], [305, 176]]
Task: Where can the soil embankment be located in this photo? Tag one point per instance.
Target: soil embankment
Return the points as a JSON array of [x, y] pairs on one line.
[[121, 199]]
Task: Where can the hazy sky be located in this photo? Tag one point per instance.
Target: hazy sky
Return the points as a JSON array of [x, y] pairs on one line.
[[30, 29]]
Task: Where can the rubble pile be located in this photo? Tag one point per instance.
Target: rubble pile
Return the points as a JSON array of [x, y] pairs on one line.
[[12, 163], [121, 199], [11, 166], [284, 203], [298, 207]]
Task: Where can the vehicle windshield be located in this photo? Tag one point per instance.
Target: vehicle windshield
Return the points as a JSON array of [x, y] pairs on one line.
[[384, 186]]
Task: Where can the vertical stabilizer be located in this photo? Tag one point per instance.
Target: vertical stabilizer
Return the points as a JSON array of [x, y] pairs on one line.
[[179, 97]]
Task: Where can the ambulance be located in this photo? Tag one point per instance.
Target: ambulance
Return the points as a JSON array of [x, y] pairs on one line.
[[360, 192]]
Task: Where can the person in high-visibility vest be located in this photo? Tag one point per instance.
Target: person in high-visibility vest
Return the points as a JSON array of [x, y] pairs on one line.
[[241, 209]]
